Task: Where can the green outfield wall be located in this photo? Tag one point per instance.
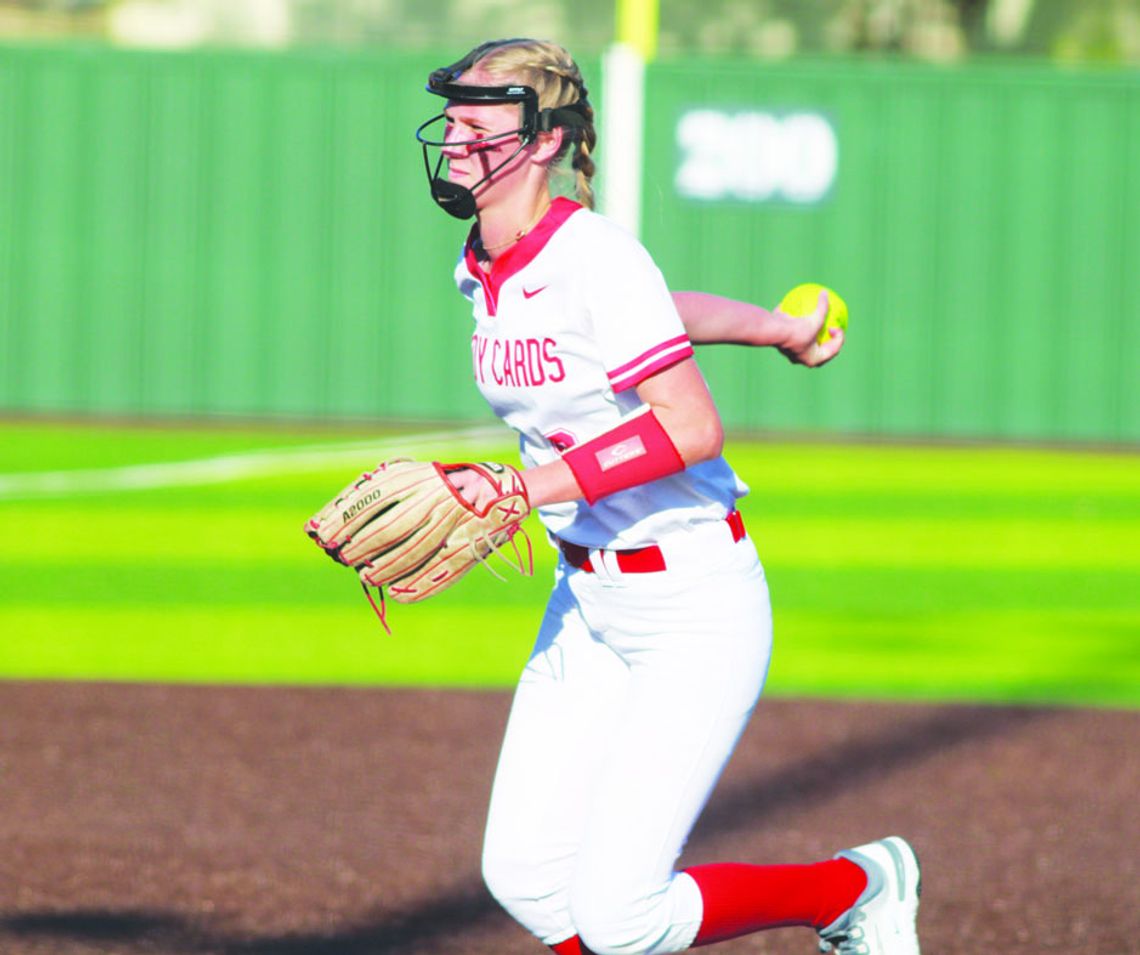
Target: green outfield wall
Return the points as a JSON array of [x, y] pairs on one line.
[[209, 233], [983, 225], [239, 233]]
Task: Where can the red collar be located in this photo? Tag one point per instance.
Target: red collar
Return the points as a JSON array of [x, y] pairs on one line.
[[519, 255]]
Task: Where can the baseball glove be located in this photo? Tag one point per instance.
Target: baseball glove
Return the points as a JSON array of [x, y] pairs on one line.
[[403, 527]]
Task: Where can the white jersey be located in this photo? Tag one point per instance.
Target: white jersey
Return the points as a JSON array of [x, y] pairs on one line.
[[569, 321]]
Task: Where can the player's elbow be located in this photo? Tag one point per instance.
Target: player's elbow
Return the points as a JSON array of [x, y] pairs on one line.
[[715, 439], [702, 440]]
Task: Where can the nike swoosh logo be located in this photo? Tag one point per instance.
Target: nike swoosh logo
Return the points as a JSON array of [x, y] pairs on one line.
[[531, 293]]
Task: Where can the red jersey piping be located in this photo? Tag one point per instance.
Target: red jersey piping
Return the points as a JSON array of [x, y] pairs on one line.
[[519, 255], [649, 362]]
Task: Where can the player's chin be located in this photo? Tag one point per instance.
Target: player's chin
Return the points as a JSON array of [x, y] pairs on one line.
[[488, 189]]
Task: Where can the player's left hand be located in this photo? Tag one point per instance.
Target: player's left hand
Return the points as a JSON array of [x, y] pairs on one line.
[[475, 487], [800, 346]]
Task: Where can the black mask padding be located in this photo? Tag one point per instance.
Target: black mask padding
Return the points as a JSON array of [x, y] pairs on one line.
[[452, 198]]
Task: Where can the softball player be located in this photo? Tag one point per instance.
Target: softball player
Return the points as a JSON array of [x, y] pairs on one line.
[[655, 643]]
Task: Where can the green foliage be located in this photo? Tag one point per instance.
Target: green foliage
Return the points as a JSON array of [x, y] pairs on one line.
[[905, 572], [1106, 31]]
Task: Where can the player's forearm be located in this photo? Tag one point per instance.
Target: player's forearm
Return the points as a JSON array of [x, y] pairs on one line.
[[678, 426], [555, 482], [552, 483], [714, 319], [693, 440]]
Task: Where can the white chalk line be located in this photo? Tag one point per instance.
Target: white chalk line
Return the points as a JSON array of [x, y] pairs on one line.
[[236, 467]]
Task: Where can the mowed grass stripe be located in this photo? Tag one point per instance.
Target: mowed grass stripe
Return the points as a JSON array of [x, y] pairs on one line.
[[455, 645], [31, 446], [993, 656], [234, 535], [1050, 656], [883, 592]]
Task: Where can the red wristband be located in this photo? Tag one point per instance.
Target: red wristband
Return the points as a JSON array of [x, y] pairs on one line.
[[636, 451]]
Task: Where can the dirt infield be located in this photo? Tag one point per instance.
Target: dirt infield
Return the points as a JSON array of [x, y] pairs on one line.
[[155, 819]]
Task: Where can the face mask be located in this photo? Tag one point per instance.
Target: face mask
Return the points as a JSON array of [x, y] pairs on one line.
[[458, 200]]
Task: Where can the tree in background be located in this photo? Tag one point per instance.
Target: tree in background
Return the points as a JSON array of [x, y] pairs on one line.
[[1072, 30], [1105, 31]]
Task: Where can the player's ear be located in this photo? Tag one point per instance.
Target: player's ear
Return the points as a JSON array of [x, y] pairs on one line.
[[548, 145]]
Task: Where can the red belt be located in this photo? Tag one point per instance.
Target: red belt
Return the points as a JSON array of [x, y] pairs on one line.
[[642, 560]]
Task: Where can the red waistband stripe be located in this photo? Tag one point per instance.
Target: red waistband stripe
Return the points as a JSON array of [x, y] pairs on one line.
[[642, 560]]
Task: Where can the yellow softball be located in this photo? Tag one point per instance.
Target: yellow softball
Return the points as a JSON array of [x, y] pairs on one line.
[[802, 301]]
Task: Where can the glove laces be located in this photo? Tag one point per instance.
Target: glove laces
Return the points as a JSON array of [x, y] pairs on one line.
[[524, 566], [380, 608]]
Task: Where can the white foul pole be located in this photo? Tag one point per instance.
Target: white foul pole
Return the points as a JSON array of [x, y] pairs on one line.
[[623, 110]]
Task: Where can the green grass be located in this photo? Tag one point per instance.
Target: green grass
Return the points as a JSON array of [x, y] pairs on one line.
[[896, 572]]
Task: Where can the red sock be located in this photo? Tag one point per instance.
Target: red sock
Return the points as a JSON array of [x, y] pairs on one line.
[[740, 899]]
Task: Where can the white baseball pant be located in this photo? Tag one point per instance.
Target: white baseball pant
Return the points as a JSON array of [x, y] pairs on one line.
[[636, 693]]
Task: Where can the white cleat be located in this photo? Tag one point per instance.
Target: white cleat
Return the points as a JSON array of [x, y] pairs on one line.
[[882, 920]]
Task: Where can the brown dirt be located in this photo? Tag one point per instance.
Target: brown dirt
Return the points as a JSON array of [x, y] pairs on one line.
[[238, 821]]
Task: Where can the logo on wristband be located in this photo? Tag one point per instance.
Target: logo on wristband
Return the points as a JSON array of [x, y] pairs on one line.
[[620, 453]]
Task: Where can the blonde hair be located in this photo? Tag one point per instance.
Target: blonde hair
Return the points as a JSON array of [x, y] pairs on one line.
[[555, 77]]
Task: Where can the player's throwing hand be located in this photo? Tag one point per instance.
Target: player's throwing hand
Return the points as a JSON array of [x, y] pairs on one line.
[[801, 343]]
